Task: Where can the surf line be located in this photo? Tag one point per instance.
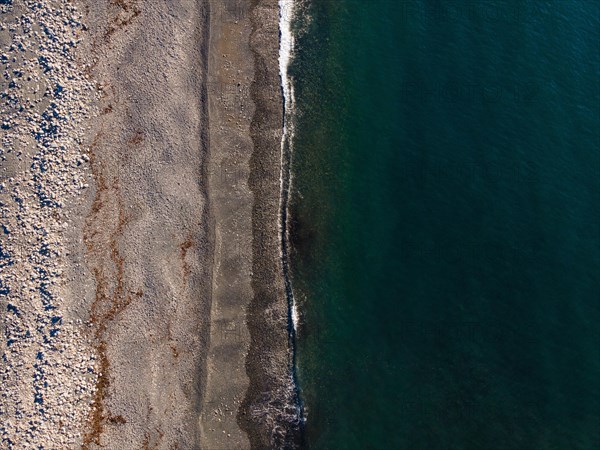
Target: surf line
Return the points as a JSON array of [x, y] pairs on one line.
[[286, 48]]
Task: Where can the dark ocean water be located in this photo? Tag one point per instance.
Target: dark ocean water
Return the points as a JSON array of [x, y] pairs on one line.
[[446, 229]]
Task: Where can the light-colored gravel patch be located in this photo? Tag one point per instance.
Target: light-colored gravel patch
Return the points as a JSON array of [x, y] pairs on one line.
[[48, 369]]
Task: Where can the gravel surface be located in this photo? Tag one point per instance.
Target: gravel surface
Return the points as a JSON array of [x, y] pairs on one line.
[[49, 369], [141, 284]]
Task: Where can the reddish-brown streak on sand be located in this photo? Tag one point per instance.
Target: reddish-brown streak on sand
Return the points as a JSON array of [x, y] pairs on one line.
[[172, 344], [106, 304], [129, 11], [137, 138], [116, 302], [184, 247], [117, 420], [146, 443]]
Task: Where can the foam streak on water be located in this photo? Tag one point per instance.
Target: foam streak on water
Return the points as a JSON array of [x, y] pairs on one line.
[[286, 47]]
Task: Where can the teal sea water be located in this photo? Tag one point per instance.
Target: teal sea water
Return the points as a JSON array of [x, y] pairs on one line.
[[445, 224]]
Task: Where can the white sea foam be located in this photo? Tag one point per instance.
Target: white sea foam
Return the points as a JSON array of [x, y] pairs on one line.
[[295, 318], [286, 48]]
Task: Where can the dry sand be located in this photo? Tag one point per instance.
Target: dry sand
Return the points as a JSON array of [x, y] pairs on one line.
[[142, 291]]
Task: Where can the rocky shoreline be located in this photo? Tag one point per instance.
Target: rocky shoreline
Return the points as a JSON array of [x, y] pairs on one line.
[[140, 263]]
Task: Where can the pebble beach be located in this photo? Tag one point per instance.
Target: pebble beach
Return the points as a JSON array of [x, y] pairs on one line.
[[141, 284]]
